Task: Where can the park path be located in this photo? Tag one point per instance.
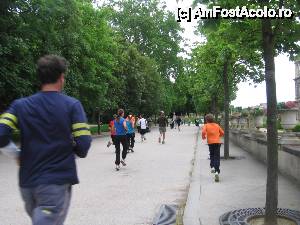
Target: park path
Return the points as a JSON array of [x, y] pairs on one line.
[[156, 174], [242, 185]]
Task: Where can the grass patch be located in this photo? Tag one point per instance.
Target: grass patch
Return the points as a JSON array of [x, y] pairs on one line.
[[103, 128]]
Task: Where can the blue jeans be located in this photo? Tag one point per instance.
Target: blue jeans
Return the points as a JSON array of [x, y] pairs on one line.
[[214, 155], [47, 204]]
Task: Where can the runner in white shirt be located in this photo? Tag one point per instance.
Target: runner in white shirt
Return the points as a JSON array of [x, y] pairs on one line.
[[143, 124]]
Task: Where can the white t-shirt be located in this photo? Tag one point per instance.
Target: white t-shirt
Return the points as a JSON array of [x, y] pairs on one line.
[[143, 123]]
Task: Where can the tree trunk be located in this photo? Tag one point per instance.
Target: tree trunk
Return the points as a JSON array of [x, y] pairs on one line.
[[272, 145], [226, 108], [214, 106]]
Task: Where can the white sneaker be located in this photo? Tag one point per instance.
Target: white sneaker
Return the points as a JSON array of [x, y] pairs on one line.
[[117, 167], [217, 178], [213, 170]]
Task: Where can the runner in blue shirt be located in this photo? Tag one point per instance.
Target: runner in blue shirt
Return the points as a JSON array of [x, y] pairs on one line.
[[53, 132], [130, 133], [120, 138]]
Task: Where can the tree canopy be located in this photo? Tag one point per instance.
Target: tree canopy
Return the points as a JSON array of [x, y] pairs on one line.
[[120, 55]]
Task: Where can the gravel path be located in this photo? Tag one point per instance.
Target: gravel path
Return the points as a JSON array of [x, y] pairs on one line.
[[156, 174]]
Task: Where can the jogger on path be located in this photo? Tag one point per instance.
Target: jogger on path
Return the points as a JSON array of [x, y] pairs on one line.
[[178, 122], [162, 124], [120, 138], [130, 133], [111, 127], [53, 131], [213, 132], [143, 125]]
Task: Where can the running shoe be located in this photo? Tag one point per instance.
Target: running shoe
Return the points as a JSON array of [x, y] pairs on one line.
[[217, 178], [117, 167], [123, 162], [213, 170]]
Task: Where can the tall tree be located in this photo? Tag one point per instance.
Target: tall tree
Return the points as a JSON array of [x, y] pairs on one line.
[[226, 64], [154, 30]]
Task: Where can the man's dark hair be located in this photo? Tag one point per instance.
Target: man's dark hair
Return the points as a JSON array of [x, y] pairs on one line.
[[50, 68]]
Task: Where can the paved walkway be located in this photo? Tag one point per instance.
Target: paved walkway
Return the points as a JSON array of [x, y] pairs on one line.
[[242, 185], [156, 174]]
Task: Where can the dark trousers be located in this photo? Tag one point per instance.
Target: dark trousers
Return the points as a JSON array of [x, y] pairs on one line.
[[130, 140], [214, 155], [120, 139], [113, 138], [47, 204], [139, 129]]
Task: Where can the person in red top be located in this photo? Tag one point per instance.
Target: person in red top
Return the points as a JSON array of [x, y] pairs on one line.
[[111, 127], [213, 133]]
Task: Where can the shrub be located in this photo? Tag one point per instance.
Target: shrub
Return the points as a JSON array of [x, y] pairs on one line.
[[103, 128], [258, 112], [245, 113], [287, 105], [296, 128], [278, 124]]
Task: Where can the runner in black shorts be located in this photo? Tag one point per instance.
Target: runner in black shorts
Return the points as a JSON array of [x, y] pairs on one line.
[[162, 124]]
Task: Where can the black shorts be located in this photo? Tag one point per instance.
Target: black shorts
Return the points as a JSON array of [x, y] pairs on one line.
[[143, 131]]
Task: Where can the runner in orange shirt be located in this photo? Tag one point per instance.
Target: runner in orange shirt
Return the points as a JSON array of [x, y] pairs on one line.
[[213, 132], [111, 127]]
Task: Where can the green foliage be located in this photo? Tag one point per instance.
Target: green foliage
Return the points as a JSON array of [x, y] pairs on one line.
[[287, 105], [258, 112], [73, 29], [280, 105], [117, 58], [296, 128], [153, 29], [278, 125], [245, 113], [103, 128]]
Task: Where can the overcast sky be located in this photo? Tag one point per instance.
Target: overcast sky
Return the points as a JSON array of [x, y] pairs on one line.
[[248, 95]]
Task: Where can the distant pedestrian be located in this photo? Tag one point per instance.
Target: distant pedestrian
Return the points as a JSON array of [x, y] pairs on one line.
[[130, 133], [54, 131], [162, 126], [143, 124], [111, 127], [178, 122], [120, 138], [213, 132], [138, 126], [174, 120]]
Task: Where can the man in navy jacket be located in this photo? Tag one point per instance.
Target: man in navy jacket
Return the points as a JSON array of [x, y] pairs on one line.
[[53, 131]]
